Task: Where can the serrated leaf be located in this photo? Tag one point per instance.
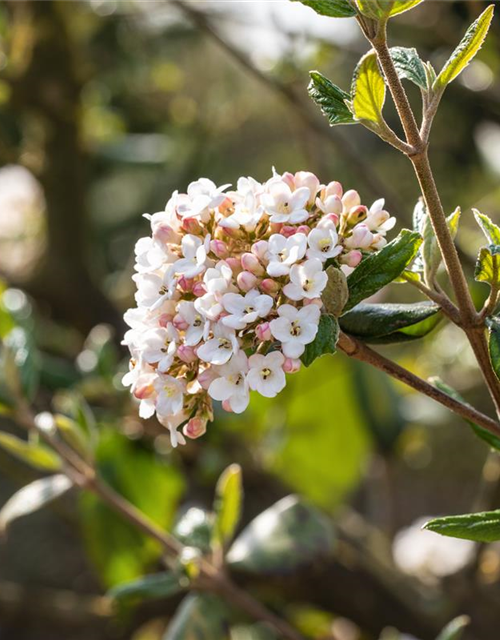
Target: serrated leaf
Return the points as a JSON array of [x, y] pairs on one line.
[[488, 265], [368, 89], [409, 65], [389, 322], [381, 268], [330, 99], [32, 498], [466, 50], [36, 455], [482, 433], [330, 8], [155, 586], [199, 617], [288, 535], [336, 292], [479, 527], [454, 629], [227, 504], [325, 340], [494, 344], [488, 227]]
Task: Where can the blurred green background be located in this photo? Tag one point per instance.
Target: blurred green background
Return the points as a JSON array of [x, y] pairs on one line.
[[106, 107]]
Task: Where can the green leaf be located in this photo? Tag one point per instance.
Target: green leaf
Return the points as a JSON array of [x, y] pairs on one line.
[[466, 50], [227, 504], [36, 455], [482, 433], [488, 265], [488, 227], [431, 254], [330, 99], [479, 527], [195, 529], [494, 344], [400, 6], [454, 629], [381, 268], [368, 89], [155, 586], [199, 617], [20, 343], [325, 340], [409, 65], [288, 535], [389, 322], [33, 497], [383, 9], [330, 8], [118, 550], [336, 292]]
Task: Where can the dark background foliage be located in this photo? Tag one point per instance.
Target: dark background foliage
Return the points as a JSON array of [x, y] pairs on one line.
[[106, 107]]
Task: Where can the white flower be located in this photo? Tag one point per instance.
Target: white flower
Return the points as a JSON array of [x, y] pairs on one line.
[[195, 252], [266, 374], [322, 243], [172, 423], [194, 319], [295, 328], [245, 309], [145, 391], [284, 252], [202, 195], [378, 219], [217, 281], [307, 280], [154, 289], [220, 348], [149, 255], [285, 205], [170, 396], [247, 214], [159, 346], [232, 385]]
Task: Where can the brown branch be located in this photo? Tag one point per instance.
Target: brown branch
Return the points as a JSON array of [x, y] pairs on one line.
[[356, 349]]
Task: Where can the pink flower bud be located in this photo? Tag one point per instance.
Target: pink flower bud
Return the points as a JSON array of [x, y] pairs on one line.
[[303, 229], [206, 377], [263, 332], [275, 227], [199, 289], [288, 178], [165, 234], [234, 264], [227, 406], [350, 199], [378, 242], [361, 238], [144, 387], [186, 284], [180, 323], [219, 248], [309, 180], [352, 259], [246, 280], [330, 218], [333, 189], [357, 214], [270, 286], [316, 301], [191, 225], [251, 263], [164, 319], [186, 354], [195, 428], [259, 249], [291, 365]]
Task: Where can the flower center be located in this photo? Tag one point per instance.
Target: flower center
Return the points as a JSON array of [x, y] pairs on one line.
[[307, 284], [162, 290], [197, 321], [265, 373], [295, 329], [325, 245], [249, 309], [224, 343]]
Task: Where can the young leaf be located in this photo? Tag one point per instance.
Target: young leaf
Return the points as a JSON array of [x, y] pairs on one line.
[[36, 455], [381, 268], [466, 50], [330, 99], [200, 616], [33, 497], [409, 65], [368, 89], [488, 265], [380, 9], [431, 254], [331, 8], [482, 433], [155, 586], [480, 527], [227, 504], [288, 535], [387, 323], [494, 344], [488, 227], [325, 340], [400, 6], [454, 629]]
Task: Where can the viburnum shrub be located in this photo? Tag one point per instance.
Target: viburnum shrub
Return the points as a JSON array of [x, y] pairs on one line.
[[229, 288]]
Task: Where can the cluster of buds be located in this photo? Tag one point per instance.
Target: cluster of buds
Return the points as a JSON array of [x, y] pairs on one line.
[[229, 290]]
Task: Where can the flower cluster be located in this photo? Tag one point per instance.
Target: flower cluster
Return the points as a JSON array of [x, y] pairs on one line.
[[229, 290]]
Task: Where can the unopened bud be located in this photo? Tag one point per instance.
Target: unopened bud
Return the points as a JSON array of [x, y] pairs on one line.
[[351, 259], [165, 234], [357, 214], [179, 322], [195, 428], [199, 289], [288, 178], [186, 284], [350, 199], [219, 248], [234, 264], [270, 286], [260, 249], [227, 406], [303, 229], [246, 280], [291, 365], [186, 354], [309, 180], [287, 231], [333, 189], [165, 319], [263, 332], [191, 225], [251, 263]]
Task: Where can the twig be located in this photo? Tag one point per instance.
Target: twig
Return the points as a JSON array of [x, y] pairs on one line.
[[356, 349]]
